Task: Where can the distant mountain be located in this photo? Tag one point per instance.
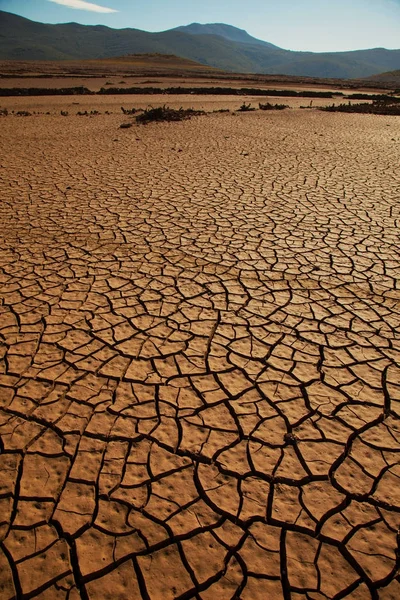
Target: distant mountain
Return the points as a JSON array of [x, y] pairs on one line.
[[342, 65], [228, 32], [22, 39], [216, 45]]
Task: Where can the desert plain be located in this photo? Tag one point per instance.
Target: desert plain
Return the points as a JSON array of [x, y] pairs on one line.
[[200, 360]]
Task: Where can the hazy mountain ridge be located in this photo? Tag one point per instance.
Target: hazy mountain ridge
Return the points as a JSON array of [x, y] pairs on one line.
[[217, 45], [234, 34]]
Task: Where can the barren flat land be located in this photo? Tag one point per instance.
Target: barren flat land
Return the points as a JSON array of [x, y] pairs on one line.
[[200, 360]]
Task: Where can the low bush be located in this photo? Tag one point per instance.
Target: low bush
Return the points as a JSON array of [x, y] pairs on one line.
[[86, 113], [246, 107], [130, 111], [164, 113], [269, 106]]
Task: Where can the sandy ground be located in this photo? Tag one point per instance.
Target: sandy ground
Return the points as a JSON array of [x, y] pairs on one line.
[[200, 380]]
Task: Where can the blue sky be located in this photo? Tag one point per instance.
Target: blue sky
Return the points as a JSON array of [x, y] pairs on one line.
[[316, 25]]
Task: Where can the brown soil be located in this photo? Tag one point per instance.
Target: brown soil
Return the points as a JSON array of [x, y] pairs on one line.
[[200, 369]]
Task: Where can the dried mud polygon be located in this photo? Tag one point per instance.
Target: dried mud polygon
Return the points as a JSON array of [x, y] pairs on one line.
[[200, 380]]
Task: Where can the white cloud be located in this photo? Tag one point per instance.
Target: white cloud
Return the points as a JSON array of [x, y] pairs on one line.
[[81, 5]]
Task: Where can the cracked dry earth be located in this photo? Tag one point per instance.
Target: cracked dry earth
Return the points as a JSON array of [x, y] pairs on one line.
[[200, 383]]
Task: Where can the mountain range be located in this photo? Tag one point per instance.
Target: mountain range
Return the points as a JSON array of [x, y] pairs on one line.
[[218, 45]]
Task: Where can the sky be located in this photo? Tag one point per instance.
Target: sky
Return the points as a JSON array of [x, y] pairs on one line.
[[314, 25]]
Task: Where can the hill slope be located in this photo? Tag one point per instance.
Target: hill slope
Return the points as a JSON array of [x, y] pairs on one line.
[[22, 39], [388, 77]]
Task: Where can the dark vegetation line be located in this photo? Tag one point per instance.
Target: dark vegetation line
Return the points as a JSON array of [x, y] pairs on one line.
[[73, 91], [209, 91], [218, 91], [379, 97], [377, 107]]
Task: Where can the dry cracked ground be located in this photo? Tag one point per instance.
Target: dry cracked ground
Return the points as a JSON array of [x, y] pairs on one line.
[[200, 382]]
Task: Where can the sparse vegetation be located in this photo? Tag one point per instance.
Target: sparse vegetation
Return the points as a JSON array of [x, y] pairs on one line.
[[269, 106], [86, 113], [164, 113], [377, 107], [130, 111], [246, 107], [23, 113], [3, 112]]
